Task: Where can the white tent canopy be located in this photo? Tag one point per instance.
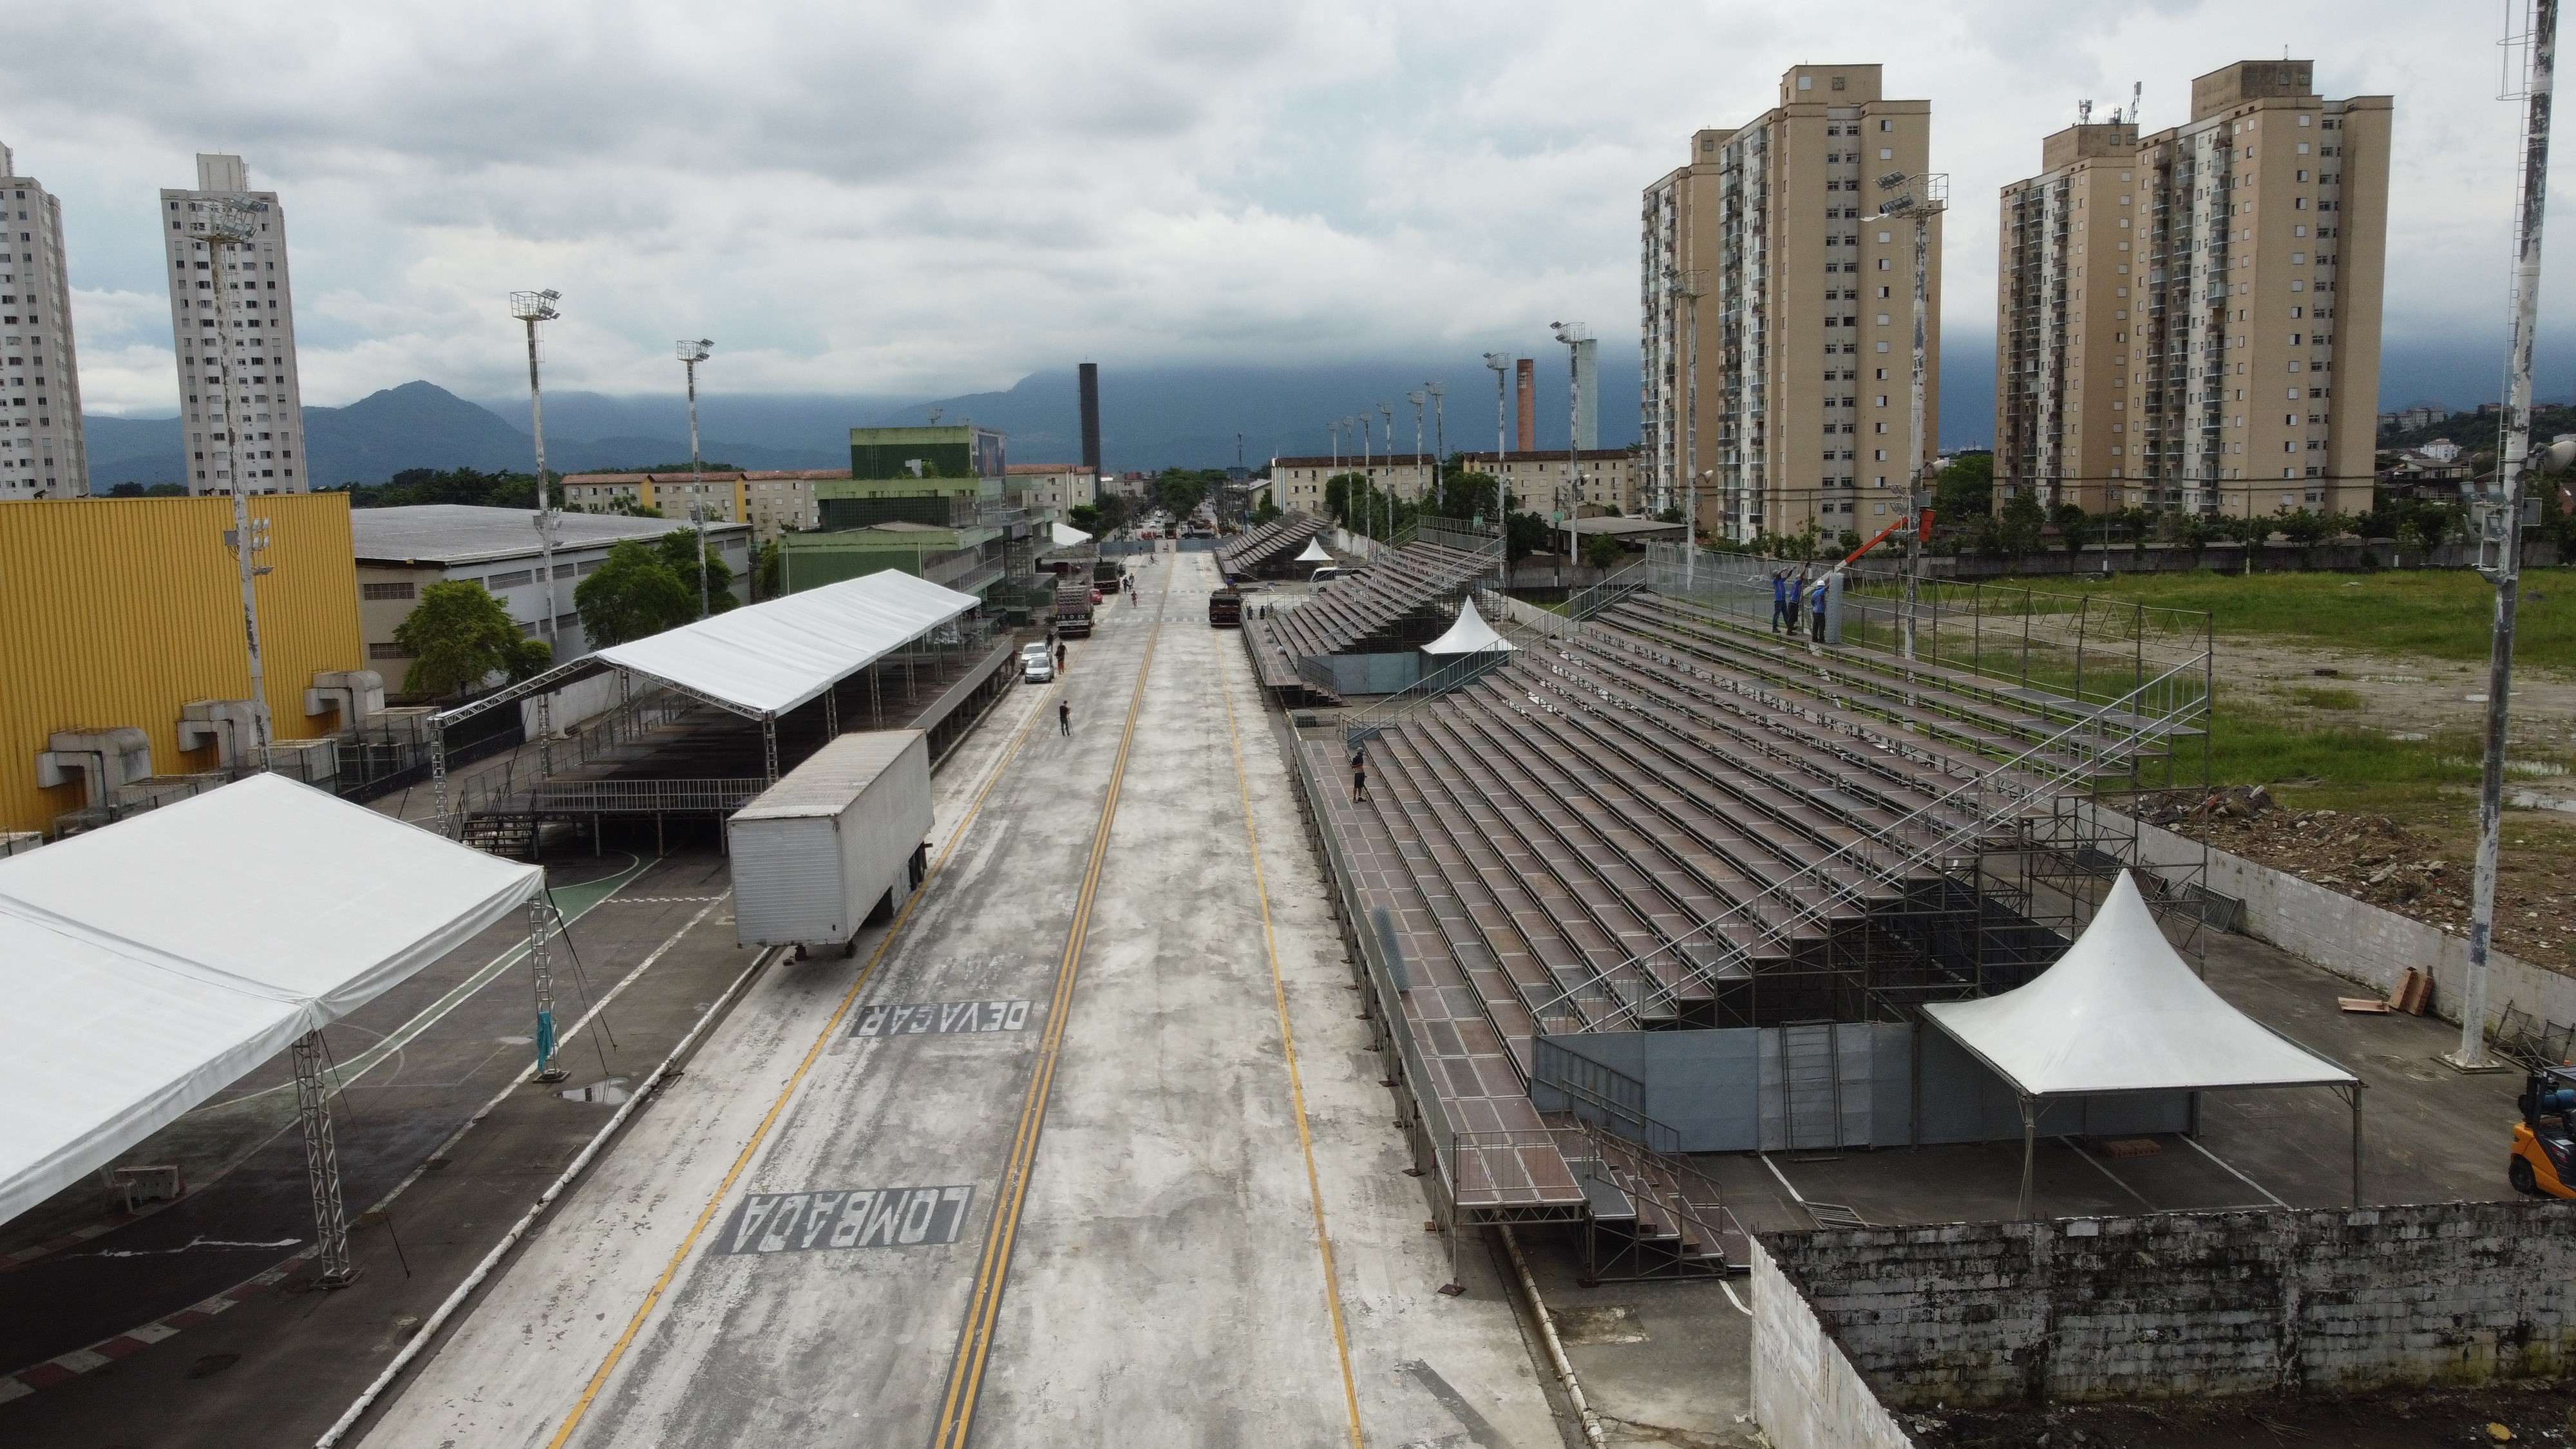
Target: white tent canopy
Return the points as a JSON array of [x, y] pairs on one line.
[[1066, 537], [1470, 635], [150, 964], [2122, 1012], [1314, 553], [770, 657]]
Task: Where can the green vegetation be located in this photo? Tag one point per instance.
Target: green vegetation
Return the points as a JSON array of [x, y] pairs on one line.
[[458, 636], [2339, 768], [2327, 698], [2444, 614], [453, 485], [642, 589], [152, 490]]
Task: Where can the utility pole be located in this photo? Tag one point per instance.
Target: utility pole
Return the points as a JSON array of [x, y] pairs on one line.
[[1927, 197], [1691, 286], [691, 354], [532, 308], [1439, 439], [2500, 540], [1501, 363], [1387, 411], [231, 226], [1573, 335]]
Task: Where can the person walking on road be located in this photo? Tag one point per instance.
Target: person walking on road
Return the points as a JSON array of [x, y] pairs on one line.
[[1064, 717], [1059, 658]]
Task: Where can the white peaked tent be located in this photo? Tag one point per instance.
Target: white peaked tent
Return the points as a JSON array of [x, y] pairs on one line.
[[1314, 553], [1470, 635], [150, 964], [1066, 537], [2121, 1012]]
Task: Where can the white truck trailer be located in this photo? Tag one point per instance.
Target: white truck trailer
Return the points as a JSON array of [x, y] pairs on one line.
[[838, 842]]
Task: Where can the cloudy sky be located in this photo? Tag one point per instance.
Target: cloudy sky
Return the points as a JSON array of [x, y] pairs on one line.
[[864, 197]]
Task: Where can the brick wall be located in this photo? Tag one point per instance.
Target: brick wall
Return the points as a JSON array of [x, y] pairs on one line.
[[2199, 1303]]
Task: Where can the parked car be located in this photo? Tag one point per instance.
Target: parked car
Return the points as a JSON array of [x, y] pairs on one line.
[[1037, 664]]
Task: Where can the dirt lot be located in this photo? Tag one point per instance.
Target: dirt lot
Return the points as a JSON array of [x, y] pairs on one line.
[[2421, 696], [2424, 871], [2542, 1414]]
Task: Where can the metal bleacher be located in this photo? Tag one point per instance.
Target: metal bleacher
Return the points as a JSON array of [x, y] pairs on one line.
[[1655, 815], [1354, 613], [1259, 547]]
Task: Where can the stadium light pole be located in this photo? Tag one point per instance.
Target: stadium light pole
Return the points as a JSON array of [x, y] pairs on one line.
[[2500, 538], [1919, 199], [1387, 411], [230, 225], [1501, 364], [1439, 436], [691, 354], [532, 308]]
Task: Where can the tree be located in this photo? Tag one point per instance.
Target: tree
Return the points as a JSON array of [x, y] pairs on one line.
[[459, 635], [2015, 534], [1526, 534], [155, 490], [1180, 491], [1964, 491], [1268, 512], [768, 571], [2074, 526], [678, 550], [634, 594], [1601, 551]]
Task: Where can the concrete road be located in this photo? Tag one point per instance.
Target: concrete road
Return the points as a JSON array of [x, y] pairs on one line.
[[1031, 1168]]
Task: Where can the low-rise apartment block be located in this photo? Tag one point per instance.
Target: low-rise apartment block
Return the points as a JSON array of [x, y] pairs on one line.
[[1060, 486], [1568, 483]]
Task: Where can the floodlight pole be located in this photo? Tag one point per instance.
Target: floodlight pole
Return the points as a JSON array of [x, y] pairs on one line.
[[1502, 368], [1387, 410], [532, 308], [231, 227], [691, 354], [1439, 437], [1929, 196], [2500, 547]]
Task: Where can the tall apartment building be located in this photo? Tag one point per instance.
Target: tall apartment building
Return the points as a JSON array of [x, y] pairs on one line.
[[42, 453], [1800, 332], [2236, 292], [253, 439]]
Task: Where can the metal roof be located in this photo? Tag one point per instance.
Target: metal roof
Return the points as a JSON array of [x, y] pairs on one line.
[[454, 533]]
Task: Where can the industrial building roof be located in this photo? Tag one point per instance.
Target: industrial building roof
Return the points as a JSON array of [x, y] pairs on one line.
[[453, 533]]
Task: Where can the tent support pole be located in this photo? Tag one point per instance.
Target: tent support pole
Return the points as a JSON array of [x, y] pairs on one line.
[[322, 1162], [2029, 1153], [541, 971], [438, 772], [769, 747]]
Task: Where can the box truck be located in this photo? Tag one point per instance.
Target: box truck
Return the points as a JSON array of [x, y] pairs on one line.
[[838, 843]]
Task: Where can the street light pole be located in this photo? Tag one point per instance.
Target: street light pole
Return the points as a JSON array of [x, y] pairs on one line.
[[231, 226], [2500, 542], [1928, 198], [691, 354], [1439, 438], [1501, 363], [532, 308]]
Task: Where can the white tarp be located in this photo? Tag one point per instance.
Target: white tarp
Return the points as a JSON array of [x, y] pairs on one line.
[[150, 964], [1067, 537], [1314, 553], [770, 657], [2121, 1012], [1470, 635]]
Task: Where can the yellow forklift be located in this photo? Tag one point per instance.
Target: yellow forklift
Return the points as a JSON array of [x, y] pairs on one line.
[[2544, 1141]]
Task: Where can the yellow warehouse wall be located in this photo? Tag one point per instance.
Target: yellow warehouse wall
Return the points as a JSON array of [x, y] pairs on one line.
[[120, 611]]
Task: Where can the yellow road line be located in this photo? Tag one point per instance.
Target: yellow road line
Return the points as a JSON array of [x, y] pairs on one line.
[[679, 1255], [975, 1338], [1296, 1082]]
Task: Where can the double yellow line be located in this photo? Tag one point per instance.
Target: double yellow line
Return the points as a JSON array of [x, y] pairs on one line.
[[617, 1352], [975, 1339]]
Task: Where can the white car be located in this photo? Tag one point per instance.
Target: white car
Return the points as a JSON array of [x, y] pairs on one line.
[[1037, 666]]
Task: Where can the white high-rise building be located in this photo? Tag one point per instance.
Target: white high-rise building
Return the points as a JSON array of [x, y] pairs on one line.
[[41, 450], [257, 435]]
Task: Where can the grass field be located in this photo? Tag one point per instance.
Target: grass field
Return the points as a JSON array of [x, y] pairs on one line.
[[2442, 614]]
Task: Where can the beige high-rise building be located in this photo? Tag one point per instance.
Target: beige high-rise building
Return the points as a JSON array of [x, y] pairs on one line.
[[1771, 295], [43, 454], [2233, 291], [254, 438]]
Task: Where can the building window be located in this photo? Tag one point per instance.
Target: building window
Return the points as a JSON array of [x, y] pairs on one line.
[[386, 651], [385, 591]]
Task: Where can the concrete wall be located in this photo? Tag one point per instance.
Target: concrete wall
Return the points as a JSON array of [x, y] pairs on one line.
[[2184, 1304], [1806, 1395], [2362, 942]]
